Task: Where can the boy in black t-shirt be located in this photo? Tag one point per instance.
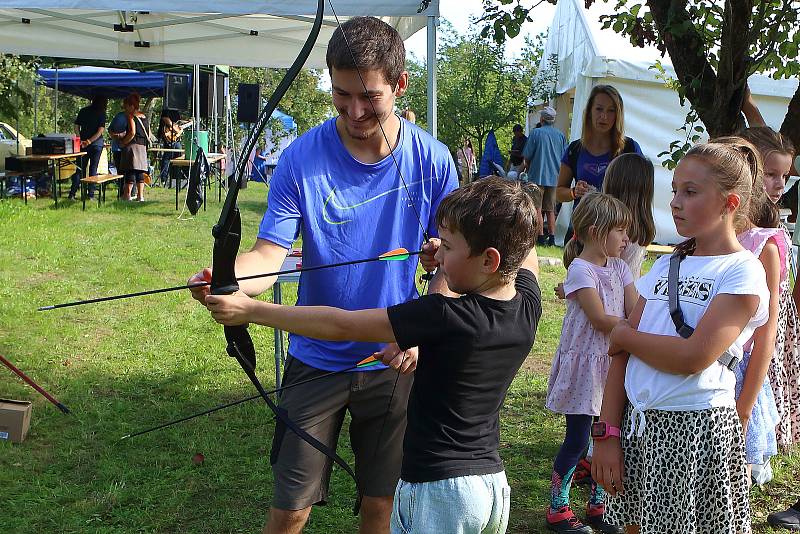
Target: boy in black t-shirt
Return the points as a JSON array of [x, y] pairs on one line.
[[470, 348]]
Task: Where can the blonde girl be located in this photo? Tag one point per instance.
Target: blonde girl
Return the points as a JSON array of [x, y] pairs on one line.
[[671, 452], [599, 290], [631, 179]]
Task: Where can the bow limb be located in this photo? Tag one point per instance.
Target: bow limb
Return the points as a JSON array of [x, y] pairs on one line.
[[227, 237]]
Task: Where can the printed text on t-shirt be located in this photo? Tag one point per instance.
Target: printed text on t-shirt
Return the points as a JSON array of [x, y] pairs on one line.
[[690, 289]]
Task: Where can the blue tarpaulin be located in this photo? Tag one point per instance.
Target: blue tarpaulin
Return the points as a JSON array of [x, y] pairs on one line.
[[113, 83], [288, 122], [491, 154]]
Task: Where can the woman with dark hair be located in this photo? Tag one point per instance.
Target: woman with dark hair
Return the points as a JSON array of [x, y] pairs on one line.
[[602, 139], [134, 162], [90, 125]]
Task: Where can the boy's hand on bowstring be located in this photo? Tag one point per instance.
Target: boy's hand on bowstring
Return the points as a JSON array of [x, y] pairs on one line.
[[403, 361], [429, 249], [230, 310], [608, 465]]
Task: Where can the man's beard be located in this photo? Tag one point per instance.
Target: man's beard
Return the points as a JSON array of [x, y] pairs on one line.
[[364, 135], [361, 135]]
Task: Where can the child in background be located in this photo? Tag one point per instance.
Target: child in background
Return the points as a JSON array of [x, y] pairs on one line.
[[777, 153], [763, 235], [600, 291], [470, 348], [678, 464], [631, 179]]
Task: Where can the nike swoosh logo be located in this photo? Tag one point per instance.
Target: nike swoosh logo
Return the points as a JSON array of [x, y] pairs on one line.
[[331, 200]]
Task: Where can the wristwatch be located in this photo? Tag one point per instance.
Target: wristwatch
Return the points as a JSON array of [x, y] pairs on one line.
[[602, 430]]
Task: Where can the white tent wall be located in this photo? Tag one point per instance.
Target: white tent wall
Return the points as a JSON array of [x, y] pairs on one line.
[[239, 33], [589, 56]]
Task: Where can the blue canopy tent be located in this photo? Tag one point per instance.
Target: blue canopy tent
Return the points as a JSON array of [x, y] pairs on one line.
[[113, 83], [274, 144], [286, 120]]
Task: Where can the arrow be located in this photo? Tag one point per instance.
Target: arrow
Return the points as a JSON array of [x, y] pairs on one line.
[[398, 254], [363, 364], [34, 385]]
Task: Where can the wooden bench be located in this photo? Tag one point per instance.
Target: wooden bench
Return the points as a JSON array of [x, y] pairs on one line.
[[659, 250], [101, 180]]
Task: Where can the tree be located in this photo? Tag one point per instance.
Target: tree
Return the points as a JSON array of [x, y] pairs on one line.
[[478, 89], [714, 46]]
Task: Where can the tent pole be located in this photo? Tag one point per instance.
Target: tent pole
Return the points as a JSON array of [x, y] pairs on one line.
[[16, 82], [35, 107], [431, 60], [214, 106], [196, 77], [55, 114]]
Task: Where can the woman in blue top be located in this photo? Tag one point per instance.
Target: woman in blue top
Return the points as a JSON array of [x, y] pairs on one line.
[[603, 139]]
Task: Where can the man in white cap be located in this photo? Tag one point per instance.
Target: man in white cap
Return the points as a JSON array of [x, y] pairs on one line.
[[542, 159]]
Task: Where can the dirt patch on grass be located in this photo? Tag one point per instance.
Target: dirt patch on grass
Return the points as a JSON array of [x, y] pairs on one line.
[[537, 363]]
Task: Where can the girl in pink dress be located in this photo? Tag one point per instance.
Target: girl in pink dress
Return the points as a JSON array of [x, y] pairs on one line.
[[777, 153], [600, 291]]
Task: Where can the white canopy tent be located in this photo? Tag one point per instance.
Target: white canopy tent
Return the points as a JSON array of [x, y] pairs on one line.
[[222, 32], [587, 55]]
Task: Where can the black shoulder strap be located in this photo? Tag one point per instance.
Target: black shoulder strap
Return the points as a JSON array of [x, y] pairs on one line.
[[573, 151], [629, 147], [684, 330]]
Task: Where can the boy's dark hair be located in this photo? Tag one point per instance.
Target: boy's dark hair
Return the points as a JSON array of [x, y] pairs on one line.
[[493, 212], [375, 45], [517, 128]]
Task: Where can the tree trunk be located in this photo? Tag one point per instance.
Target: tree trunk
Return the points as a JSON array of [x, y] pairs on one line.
[[149, 107], [717, 97]]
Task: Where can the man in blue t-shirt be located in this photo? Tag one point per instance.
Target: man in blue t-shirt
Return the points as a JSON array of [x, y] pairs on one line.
[[338, 187], [542, 155]]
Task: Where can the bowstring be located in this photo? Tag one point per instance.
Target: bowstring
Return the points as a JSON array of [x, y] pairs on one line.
[[425, 236]]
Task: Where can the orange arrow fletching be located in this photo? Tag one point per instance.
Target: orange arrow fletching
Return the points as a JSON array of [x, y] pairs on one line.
[[398, 254], [368, 362]]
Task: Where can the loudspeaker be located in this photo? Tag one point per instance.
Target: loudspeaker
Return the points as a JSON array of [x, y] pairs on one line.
[[249, 102], [207, 95], [176, 92]]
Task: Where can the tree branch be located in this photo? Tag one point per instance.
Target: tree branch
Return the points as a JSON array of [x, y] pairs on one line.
[[686, 48]]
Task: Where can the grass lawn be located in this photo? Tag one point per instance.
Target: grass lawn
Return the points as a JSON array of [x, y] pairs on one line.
[[122, 366]]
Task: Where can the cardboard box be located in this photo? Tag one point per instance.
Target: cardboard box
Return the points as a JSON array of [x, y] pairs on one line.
[[15, 419]]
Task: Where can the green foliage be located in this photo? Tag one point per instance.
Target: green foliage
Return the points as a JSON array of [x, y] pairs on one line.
[[544, 88], [478, 89], [15, 78]]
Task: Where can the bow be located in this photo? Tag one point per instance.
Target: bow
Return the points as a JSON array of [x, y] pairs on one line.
[[227, 236]]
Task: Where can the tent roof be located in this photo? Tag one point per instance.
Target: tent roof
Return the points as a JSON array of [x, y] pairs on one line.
[[576, 36], [286, 120], [227, 32], [113, 83]]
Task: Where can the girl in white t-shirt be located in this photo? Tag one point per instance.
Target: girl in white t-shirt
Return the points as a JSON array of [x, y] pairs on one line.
[[599, 290], [674, 461], [631, 179]]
